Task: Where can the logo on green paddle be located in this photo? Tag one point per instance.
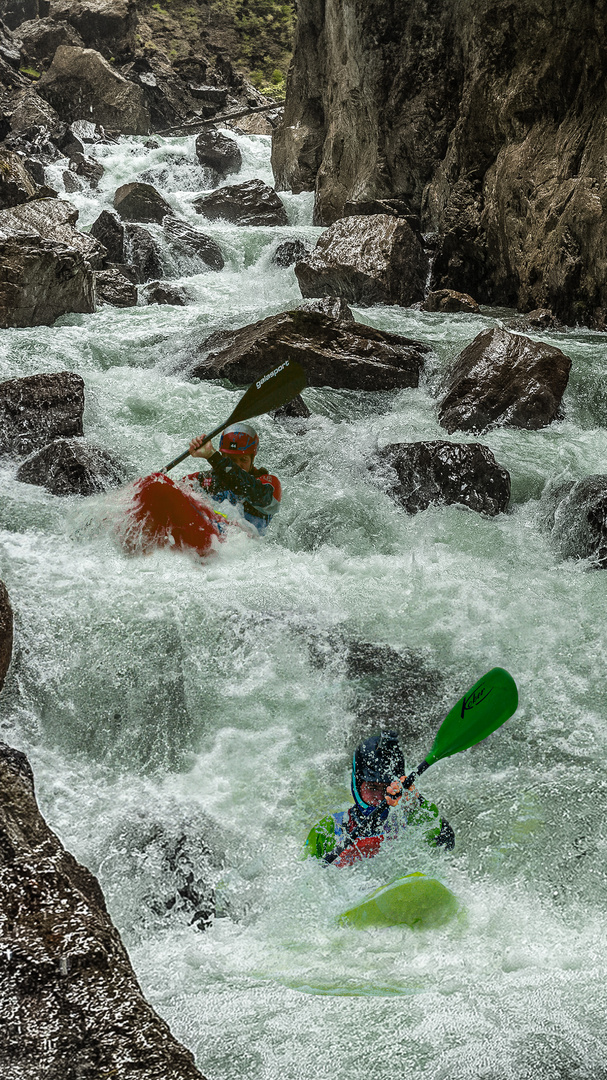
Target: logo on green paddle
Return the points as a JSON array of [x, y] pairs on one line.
[[480, 693]]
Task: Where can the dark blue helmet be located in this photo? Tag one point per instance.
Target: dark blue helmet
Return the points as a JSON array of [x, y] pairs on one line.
[[377, 760]]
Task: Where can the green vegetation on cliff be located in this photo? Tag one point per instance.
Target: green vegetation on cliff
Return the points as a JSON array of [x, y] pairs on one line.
[[255, 35]]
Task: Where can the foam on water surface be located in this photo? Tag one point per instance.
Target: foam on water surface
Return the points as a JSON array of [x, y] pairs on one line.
[[175, 708]]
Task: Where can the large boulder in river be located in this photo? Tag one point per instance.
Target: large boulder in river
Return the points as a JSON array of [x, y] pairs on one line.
[[141, 253], [53, 219], [6, 632], [251, 203], [504, 380], [450, 301], [337, 354], [109, 231], [443, 473], [164, 292], [367, 260], [39, 408], [141, 202], [71, 467], [81, 85], [113, 288], [193, 242], [70, 1004], [41, 279], [576, 513], [16, 184], [290, 252], [216, 151]]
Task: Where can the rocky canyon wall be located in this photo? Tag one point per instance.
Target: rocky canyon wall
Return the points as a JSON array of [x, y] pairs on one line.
[[485, 120]]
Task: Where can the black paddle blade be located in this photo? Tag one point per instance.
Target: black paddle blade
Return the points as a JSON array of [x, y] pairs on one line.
[[277, 387]]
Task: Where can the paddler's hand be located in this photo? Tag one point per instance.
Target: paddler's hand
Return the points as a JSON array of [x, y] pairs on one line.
[[200, 448], [395, 790]]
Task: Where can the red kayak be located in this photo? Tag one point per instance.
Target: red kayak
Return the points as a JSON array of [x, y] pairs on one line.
[[165, 514]]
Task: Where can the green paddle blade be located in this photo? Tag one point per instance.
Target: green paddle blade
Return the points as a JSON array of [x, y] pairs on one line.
[[486, 706]]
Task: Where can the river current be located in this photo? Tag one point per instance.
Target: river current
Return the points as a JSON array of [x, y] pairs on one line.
[[189, 722]]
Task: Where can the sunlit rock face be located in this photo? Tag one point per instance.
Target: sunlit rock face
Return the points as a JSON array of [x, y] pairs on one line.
[[485, 119], [70, 1002]]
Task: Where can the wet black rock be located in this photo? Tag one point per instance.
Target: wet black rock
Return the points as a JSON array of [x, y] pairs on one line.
[[504, 380], [53, 219], [251, 203], [448, 300], [81, 85], [335, 354], [71, 183], [40, 280], [109, 231], [290, 252], [193, 242], [70, 1004], [141, 253], [576, 512], [72, 467], [333, 306], [141, 202], [162, 292], [539, 319], [218, 152], [366, 260], [114, 288], [39, 408], [293, 410], [90, 170], [6, 632], [443, 473]]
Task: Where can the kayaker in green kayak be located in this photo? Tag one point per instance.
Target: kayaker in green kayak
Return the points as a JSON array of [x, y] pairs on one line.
[[378, 768]]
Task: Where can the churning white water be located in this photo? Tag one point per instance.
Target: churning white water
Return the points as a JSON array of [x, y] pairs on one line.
[[188, 722]]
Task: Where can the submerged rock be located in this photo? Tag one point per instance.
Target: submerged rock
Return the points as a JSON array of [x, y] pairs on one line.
[[576, 511], [335, 354], [293, 410], [71, 467], [112, 287], [193, 242], [366, 260], [444, 473], [251, 203], [69, 1001], [81, 85], [504, 380], [141, 202], [39, 408], [218, 152], [450, 301], [6, 632]]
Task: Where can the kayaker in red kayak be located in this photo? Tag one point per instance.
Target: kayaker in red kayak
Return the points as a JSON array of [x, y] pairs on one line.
[[235, 478], [377, 777]]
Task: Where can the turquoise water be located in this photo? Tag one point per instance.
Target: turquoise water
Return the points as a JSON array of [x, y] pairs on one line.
[[186, 717]]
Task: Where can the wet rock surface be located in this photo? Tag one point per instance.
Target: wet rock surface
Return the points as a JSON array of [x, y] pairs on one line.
[[39, 408], [251, 203], [293, 410], [290, 252], [333, 306], [443, 473], [64, 963], [112, 287], [140, 202], [576, 513], [336, 354], [505, 380], [6, 632], [71, 467], [53, 219], [219, 153], [163, 292], [366, 260], [109, 231], [16, 183], [141, 253], [42, 37], [40, 280], [193, 242], [81, 85], [448, 300]]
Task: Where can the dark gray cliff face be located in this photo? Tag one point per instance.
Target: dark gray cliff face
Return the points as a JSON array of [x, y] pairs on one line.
[[485, 119]]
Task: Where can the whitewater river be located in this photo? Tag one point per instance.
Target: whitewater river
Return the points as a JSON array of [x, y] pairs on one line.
[[188, 722]]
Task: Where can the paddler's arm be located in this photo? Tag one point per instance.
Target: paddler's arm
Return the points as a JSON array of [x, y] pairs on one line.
[[321, 839], [245, 486], [420, 812]]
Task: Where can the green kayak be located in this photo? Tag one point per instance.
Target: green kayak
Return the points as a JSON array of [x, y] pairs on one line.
[[412, 900]]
